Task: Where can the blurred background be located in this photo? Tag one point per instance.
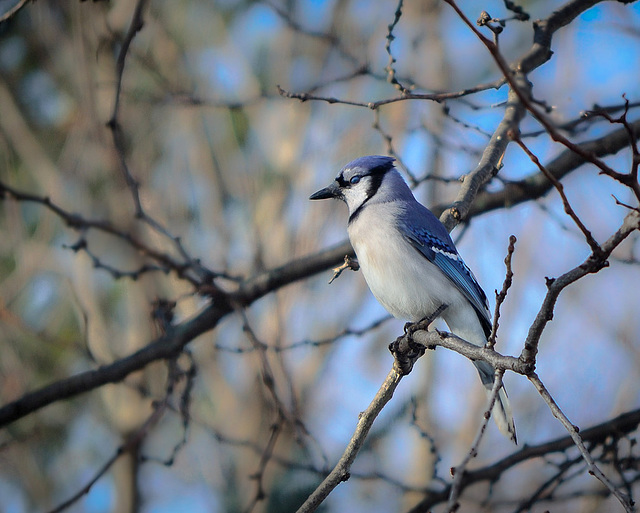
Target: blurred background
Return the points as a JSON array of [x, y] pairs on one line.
[[227, 163]]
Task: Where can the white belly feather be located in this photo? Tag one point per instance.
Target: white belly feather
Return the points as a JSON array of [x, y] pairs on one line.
[[404, 281]]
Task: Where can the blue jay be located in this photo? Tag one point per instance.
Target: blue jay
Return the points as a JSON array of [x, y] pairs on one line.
[[410, 262]]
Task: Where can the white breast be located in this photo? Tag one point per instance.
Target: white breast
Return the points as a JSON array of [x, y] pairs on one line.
[[403, 280]]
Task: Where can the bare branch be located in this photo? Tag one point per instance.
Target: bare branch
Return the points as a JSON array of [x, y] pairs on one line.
[[502, 295], [596, 435], [375, 105], [390, 69], [535, 185], [134, 440], [575, 436], [134, 27], [403, 350], [459, 471], [570, 10], [592, 264], [489, 164], [82, 224], [595, 247], [341, 471]]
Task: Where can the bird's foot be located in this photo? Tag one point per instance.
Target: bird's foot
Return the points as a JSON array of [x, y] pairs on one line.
[[410, 328], [405, 353]]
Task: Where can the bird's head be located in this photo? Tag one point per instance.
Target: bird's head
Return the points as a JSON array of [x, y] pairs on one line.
[[361, 180]]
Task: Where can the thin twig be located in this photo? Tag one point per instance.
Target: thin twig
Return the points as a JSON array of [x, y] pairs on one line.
[[577, 440], [436, 97], [615, 428], [536, 184], [633, 134], [132, 442], [390, 69], [82, 224], [349, 263], [593, 244], [135, 26], [137, 22], [341, 471], [502, 295], [459, 471], [592, 264], [569, 12]]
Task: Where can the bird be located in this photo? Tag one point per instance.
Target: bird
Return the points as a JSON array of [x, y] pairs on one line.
[[410, 262]]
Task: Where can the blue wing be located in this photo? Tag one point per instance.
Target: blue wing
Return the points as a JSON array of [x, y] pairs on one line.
[[427, 234]]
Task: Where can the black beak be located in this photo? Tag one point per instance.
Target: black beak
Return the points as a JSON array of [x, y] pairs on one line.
[[333, 191]]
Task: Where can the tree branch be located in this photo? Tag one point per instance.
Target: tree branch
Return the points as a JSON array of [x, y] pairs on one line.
[[536, 184], [341, 471], [594, 470], [591, 265], [617, 427]]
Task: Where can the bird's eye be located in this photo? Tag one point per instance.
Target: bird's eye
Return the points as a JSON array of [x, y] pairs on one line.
[[354, 180]]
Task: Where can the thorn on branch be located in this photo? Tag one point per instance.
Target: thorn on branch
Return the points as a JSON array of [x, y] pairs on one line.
[[485, 20], [495, 25], [623, 204], [349, 263]]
